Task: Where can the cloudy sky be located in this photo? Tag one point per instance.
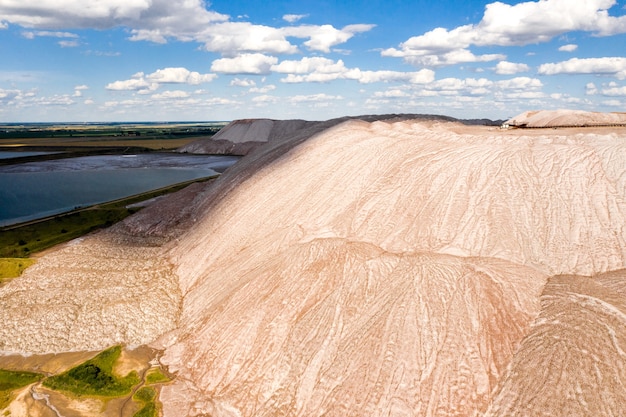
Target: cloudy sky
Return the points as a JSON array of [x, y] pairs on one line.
[[167, 60]]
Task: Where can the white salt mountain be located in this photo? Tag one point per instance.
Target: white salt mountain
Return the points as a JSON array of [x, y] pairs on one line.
[[406, 267], [242, 136], [566, 118]]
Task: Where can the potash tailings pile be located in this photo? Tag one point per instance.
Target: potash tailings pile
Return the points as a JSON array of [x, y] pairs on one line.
[[376, 266], [567, 118]]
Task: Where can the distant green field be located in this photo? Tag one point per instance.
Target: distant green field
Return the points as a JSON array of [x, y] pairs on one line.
[[146, 135]]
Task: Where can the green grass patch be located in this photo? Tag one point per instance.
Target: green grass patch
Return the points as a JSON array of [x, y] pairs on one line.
[[22, 240], [13, 267], [148, 410], [95, 377], [146, 396], [31, 238], [156, 376], [12, 380]]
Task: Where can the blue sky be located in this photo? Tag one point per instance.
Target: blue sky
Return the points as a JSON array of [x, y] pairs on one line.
[[177, 60]]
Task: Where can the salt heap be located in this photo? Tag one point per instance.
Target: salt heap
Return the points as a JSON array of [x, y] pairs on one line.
[[364, 267], [394, 268], [242, 136], [566, 118]]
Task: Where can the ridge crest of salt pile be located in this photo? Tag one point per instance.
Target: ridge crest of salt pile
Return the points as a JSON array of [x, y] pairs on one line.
[[566, 118]]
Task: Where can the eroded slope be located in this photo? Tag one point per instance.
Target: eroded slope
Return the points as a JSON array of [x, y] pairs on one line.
[[269, 326], [339, 328], [573, 361]]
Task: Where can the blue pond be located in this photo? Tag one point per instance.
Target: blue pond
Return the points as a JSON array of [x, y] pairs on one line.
[[33, 190]]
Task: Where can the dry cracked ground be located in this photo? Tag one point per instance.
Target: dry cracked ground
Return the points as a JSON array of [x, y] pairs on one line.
[[377, 266]]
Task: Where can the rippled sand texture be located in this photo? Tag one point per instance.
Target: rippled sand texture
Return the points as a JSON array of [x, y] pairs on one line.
[[88, 295], [393, 269]]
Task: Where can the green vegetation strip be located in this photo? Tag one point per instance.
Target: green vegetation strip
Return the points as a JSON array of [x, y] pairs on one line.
[[95, 377], [13, 267], [146, 396], [156, 376], [22, 240], [12, 380]]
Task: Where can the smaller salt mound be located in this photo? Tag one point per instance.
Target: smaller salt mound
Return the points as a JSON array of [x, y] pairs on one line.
[[566, 118], [573, 361], [336, 327], [87, 295], [241, 136]]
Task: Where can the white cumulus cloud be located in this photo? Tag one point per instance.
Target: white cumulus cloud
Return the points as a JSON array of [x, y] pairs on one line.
[[68, 44], [319, 69], [166, 95], [611, 89], [309, 65], [245, 64], [568, 48], [185, 20], [232, 38], [322, 97], [615, 66], [78, 90], [614, 91], [506, 25], [242, 83], [42, 33], [322, 38], [292, 18], [170, 15], [509, 68], [179, 75], [136, 82], [613, 103], [520, 83], [263, 90], [265, 99], [146, 83]]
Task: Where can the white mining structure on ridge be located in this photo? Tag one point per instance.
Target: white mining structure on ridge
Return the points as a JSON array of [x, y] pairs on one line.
[[387, 266]]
